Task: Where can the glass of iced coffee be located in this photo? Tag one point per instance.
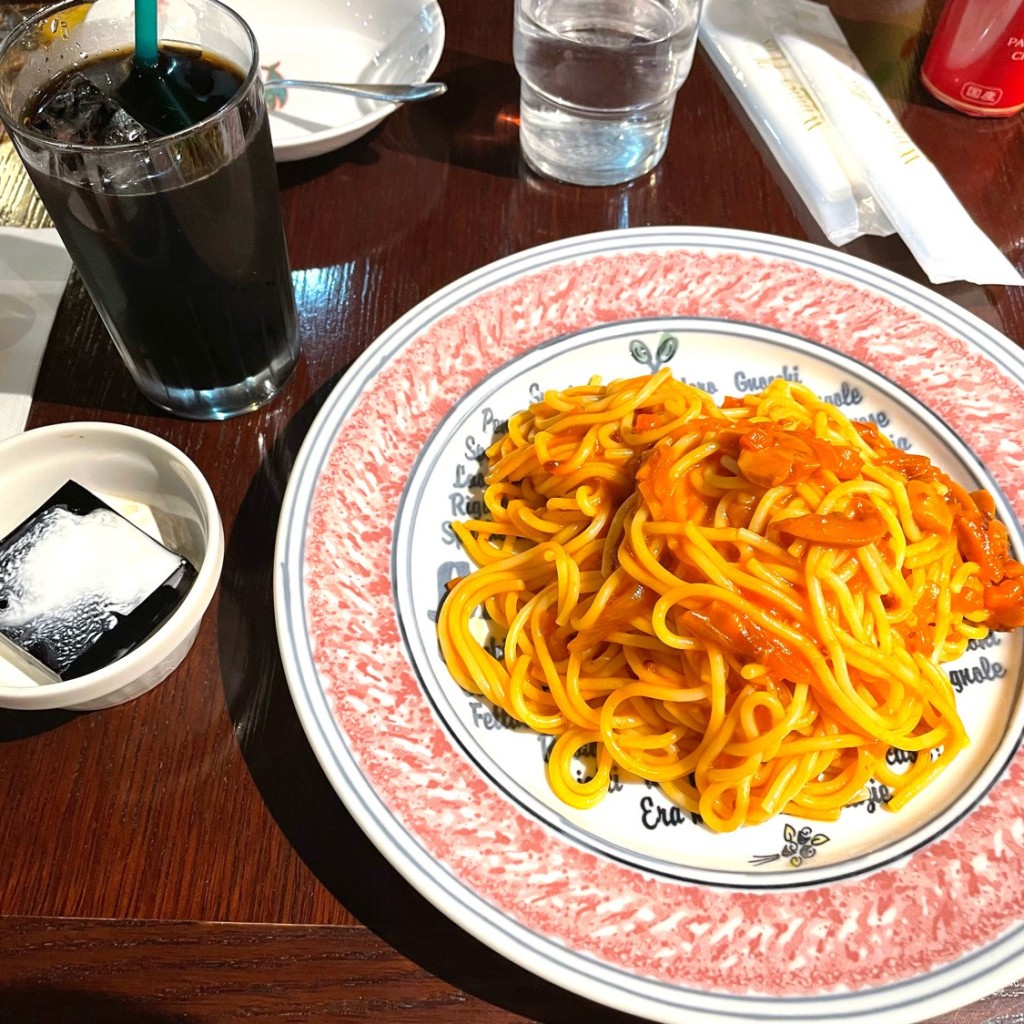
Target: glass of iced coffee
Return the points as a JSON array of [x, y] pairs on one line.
[[160, 179]]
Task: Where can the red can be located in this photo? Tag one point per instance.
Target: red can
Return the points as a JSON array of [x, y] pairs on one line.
[[975, 61]]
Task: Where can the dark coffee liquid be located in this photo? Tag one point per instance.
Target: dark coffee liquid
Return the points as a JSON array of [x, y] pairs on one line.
[[180, 90], [192, 281], [112, 99]]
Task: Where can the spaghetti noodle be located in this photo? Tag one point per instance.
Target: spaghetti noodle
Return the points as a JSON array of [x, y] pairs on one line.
[[747, 604]]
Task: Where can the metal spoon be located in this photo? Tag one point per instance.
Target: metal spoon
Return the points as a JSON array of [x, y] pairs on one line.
[[389, 93]]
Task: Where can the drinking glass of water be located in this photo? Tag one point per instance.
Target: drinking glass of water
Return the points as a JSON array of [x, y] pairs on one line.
[[598, 83]]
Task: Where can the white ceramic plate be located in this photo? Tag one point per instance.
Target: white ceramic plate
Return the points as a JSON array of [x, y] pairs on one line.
[[896, 917], [371, 41]]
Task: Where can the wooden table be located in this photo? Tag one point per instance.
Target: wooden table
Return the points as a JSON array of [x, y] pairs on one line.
[[182, 857]]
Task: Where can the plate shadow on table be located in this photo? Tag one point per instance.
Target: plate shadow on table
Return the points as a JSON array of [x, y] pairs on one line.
[[20, 724], [302, 801], [32, 1004], [478, 117], [474, 125]]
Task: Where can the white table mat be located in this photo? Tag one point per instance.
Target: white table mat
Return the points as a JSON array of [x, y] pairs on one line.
[[34, 268]]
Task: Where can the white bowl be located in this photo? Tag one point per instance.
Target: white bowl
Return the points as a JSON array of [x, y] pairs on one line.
[[364, 41], [155, 486]]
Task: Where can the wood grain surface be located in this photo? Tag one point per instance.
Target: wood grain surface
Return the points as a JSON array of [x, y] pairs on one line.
[[183, 857]]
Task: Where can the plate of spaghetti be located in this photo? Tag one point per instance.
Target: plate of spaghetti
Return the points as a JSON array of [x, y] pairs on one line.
[[652, 599]]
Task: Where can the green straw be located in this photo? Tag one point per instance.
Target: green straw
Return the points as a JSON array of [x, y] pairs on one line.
[[145, 32]]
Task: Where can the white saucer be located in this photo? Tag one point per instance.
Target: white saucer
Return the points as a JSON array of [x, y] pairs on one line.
[[369, 41]]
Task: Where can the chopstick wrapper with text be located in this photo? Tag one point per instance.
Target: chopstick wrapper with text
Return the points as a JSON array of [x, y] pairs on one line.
[[885, 169], [807, 147]]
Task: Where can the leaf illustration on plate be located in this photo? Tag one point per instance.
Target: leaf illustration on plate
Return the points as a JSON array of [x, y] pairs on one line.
[[667, 348], [641, 353]]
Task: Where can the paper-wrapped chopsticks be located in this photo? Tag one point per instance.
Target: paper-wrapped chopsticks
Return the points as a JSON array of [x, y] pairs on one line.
[[838, 141]]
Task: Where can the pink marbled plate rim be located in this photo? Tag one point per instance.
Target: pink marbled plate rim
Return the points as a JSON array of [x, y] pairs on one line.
[[935, 931]]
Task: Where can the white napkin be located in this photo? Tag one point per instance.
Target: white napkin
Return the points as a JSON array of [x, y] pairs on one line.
[[34, 268]]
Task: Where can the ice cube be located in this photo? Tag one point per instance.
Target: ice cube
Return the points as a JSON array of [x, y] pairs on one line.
[[80, 586], [122, 127], [82, 113]]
